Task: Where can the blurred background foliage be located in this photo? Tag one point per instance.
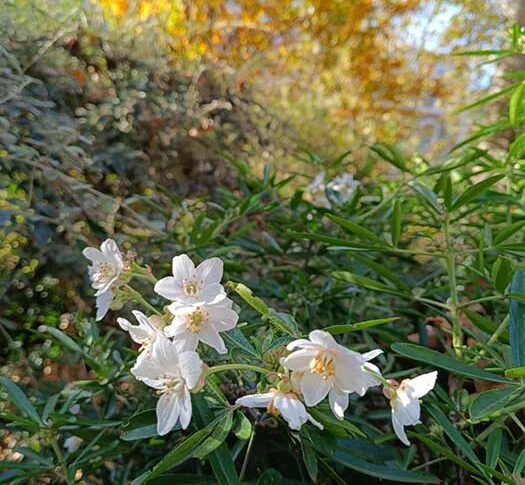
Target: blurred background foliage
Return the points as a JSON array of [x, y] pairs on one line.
[[194, 126]]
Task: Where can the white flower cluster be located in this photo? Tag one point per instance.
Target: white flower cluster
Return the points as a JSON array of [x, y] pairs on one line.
[[339, 190], [315, 368]]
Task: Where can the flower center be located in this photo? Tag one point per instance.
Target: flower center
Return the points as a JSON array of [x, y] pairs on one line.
[[196, 319], [173, 383], [104, 271], [272, 409], [191, 286], [324, 364]]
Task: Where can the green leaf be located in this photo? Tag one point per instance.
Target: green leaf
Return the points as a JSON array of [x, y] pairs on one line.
[[64, 339], [141, 433], [220, 458], [494, 448], [180, 453], [489, 402], [436, 359], [385, 472], [507, 232], [444, 451], [489, 98], [390, 154], [217, 437], [356, 229], [342, 429], [247, 295], [283, 321], [310, 459], [381, 270], [141, 426], [355, 327], [515, 105], [243, 426], [20, 400], [452, 432], [502, 274], [428, 196], [515, 372], [396, 221], [517, 320], [486, 325], [236, 339], [367, 283], [475, 191]]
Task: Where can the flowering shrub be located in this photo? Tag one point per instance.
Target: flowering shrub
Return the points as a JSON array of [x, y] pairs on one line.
[[380, 334]]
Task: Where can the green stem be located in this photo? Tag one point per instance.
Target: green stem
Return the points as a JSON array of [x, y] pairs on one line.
[[140, 272], [454, 299], [60, 458], [247, 456], [225, 367], [498, 331], [140, 299]]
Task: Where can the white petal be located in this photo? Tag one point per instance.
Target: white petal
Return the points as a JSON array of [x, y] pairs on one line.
[[399, 429], [255, 400], [210, 271], [169, 288], [166, 354], [148, 371], [407, 408], [190, 367], [338, 403], [211, 337], [292, 410], [299, 360], [222, 318], [183, 338], [423, 384], [168, 410], [323, 338], [111, 250], [372, 354], [93, 254], [213, 294], [103, 303], [182, 267], [185, 408], [297, 343], [314, 388]]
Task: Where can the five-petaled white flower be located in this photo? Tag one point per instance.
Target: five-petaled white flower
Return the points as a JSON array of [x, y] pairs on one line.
[[107, 265], [144, 333], [330, 369], [72, 443], [190, 285], [173, 374], [404, 400], [201, 322], [278, 403]]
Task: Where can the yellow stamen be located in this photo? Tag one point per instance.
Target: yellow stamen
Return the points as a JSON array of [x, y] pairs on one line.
[[104, 272], [324, 364], [191, 287], [196, 319]]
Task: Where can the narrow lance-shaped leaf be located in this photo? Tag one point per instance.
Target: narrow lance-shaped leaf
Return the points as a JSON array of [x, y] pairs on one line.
[[356, 229], [20, 400], [436, 359], [396, 221], [515, 103], [475, 191], [517, 320]]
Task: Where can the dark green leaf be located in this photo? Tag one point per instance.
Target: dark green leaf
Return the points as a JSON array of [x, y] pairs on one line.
[[396, 222], [507, 231], [436, 359], [488, 326], [217, 437], [367, 283], [494, 448], [356, 229], [489, 402], [515, 105], [20, 400], [474, 191], [502, 274], [355, 327], [517, 320], [242, 427], [310, 459]]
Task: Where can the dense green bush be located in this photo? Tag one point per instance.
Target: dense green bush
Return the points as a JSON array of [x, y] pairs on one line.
[[426, 259]]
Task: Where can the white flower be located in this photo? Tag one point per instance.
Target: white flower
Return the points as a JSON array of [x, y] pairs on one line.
[[144, 333], [190, 285], [330, 369], [201, 322], [344, 186], [173, 374], [404, 400], [72, 443], [280, 403], [107, 265], [317, 191]]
